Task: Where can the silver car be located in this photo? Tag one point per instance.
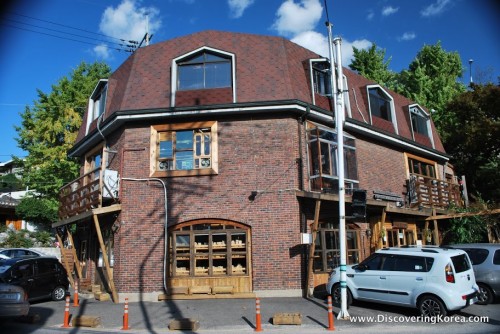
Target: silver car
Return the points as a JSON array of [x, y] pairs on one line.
[[486, 263], [13, 301]]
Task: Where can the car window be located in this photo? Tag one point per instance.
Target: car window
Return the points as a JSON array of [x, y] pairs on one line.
[[410, 264], [373, 262], [46, 267], [496, 257], [461, 263], [389, 263], [477, 255], [23, 270]]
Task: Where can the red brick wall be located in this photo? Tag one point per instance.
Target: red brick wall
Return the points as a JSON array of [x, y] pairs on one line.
[[254, 155], [380, 168]]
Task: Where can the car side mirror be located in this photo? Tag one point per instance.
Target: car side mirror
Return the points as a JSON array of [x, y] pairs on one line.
[[360, 267]]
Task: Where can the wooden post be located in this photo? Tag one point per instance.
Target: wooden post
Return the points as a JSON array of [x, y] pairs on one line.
[[312, 247], [424, 236], [105, 259], [75, 256], [381, 242], [64, 258], [436, 231]]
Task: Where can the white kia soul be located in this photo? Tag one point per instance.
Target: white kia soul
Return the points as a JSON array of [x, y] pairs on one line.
[[432, 279]]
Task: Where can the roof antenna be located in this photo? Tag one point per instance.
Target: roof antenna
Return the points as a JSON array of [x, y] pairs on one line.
[[147, 37]]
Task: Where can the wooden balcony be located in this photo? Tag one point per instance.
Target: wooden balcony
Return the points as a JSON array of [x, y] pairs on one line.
[[425, 191], [87, 192], [421, 192]]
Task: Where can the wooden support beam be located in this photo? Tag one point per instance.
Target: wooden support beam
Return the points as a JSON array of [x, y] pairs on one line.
[[436, 231], [75, 256], [381, 224], [312, 247], [64, 258], [464, 214], [105, 259]]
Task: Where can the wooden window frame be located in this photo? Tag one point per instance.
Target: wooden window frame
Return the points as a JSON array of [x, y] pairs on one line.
[[212, 251], [322, 252], [154, 149], [409, 168]]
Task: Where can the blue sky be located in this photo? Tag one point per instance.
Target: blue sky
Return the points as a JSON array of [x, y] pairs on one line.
[[33, 58]]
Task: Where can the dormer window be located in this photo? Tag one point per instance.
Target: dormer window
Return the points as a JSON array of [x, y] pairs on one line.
[[208, 70], [97, 102], [419, 121], [321, 77], [381, 105], [204, 70], [99, 99], [420, 124]]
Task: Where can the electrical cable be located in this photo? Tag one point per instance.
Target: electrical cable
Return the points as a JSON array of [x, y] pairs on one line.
[[69, 39], [67, 33], [66, 26]]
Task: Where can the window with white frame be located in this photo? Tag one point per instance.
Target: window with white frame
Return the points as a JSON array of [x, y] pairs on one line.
[[420, 120], [380, 103], [204, 70], [184, 149], [99, 99], [321, 77]]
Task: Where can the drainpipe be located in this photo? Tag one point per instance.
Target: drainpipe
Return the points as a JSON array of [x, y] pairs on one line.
[[165, 225]]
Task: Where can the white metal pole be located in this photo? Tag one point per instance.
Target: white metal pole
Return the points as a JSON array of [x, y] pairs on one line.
[[339, 123]]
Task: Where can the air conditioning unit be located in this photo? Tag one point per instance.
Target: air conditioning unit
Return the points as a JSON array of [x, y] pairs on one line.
[[111, 184]]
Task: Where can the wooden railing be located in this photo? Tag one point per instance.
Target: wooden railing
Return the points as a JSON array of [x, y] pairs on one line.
[[81, 194], [430, 192]]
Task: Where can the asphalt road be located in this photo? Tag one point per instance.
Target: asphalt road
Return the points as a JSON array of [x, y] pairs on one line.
[[229, 316]]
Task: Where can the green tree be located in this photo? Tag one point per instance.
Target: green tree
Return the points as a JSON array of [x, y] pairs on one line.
[[48, 130], [372, 65], [10, 182], [432, 80], [473, 128]]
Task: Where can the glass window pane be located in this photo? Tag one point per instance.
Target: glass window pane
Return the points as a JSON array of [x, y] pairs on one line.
[[184, 140], [331, 240], [206, 142], [217, 75], [184, 160], [166, 149], [197, 145], [191, 77], [325, 158]]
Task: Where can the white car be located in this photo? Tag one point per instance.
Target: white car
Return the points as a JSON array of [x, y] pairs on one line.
[[434, 280]]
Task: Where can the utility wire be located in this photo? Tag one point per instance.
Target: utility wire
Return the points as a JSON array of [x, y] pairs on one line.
[[61, 37], [68, 33], [66, 26]]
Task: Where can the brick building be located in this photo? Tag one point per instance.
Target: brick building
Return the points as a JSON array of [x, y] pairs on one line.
[[207, 160]]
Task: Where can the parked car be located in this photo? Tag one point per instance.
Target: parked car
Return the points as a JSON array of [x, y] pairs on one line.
[[42, 277], [485, 260], [19, 252], [434, 280], [13, 301]]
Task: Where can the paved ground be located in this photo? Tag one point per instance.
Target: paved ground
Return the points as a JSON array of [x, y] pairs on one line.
[[238, 316]]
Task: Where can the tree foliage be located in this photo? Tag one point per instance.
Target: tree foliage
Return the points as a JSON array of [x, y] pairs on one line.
[[49, 129], [432, 81], [473, 127], [10, 182], [372, 65]]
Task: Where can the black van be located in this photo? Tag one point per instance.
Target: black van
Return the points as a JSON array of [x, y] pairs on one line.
[[42, 277]]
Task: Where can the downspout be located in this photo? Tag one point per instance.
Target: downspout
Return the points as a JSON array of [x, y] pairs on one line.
[[165, 225]]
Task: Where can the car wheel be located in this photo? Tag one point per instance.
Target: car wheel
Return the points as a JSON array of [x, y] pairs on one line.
[[430, 306], [336, 296], [58, 293], [485, 295]]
